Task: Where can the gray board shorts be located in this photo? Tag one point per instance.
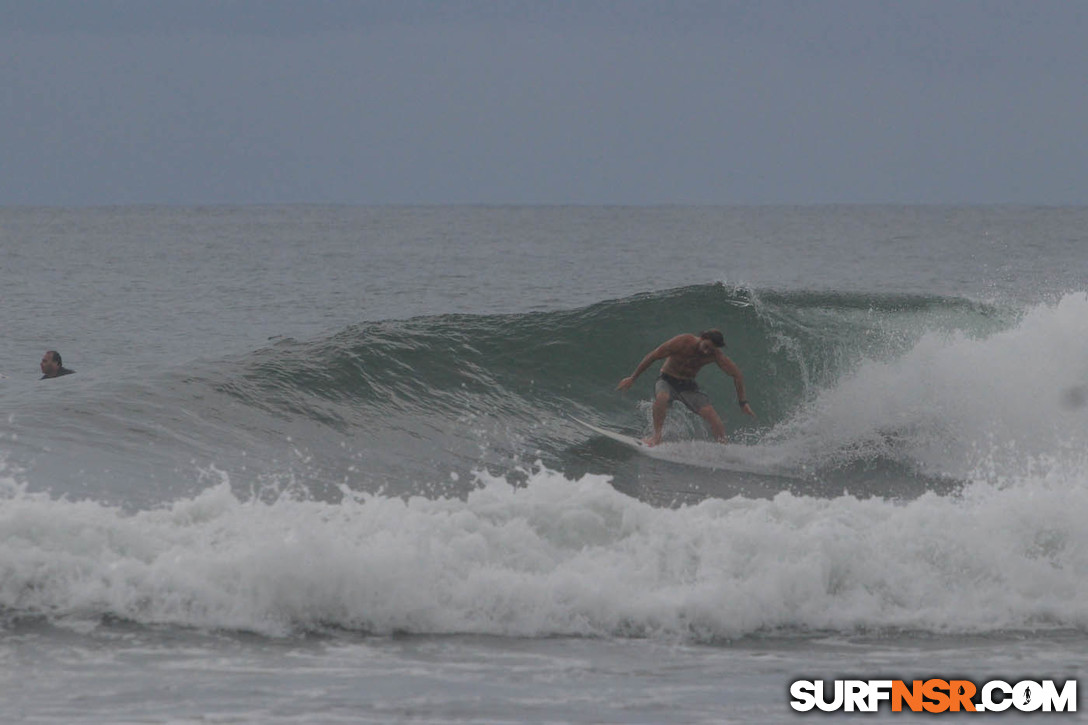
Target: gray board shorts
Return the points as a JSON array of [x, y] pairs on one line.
[[686, 391]]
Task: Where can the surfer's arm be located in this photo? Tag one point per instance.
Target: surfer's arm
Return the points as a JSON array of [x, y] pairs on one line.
[[661, 352], [730, 368]]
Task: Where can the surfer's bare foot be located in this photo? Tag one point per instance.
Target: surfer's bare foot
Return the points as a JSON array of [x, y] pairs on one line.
[[651, 441]]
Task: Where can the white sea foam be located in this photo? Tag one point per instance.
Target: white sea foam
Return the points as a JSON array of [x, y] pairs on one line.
[[954, 404], [559, 557]]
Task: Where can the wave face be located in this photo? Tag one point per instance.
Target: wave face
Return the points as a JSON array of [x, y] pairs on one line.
[[840, 381], [789, 344]]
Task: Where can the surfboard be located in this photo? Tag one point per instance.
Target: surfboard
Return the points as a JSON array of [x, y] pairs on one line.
[[618, 437], [734, 457]]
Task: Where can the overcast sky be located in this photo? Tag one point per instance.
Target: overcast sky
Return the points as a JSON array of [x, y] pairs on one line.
[[403, 102]]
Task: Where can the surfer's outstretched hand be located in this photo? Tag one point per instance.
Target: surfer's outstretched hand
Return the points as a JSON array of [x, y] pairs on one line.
[[626, 383], [747, 410]]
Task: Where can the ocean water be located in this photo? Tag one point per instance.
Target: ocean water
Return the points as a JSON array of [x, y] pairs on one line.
[[318, 464]]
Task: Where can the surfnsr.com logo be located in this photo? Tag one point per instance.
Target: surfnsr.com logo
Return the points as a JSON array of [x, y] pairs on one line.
[[933, 695]]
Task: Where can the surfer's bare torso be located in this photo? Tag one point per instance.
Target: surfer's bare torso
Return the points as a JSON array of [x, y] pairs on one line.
[[687, 356]]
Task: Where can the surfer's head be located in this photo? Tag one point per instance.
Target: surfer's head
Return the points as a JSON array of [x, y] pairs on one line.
[[714, 337], [51, 363]]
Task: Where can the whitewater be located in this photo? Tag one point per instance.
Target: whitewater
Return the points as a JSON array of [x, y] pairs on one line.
[[318, 464], [560, 558]]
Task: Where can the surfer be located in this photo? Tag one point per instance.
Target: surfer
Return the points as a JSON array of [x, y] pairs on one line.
[[52, 367], [684, 356]]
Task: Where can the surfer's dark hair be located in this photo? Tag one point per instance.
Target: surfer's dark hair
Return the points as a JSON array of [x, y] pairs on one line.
[[56, 357], [715, 337]]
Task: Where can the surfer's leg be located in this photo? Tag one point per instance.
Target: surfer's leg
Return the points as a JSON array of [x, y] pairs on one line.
[[717, 428], [661, 409]]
